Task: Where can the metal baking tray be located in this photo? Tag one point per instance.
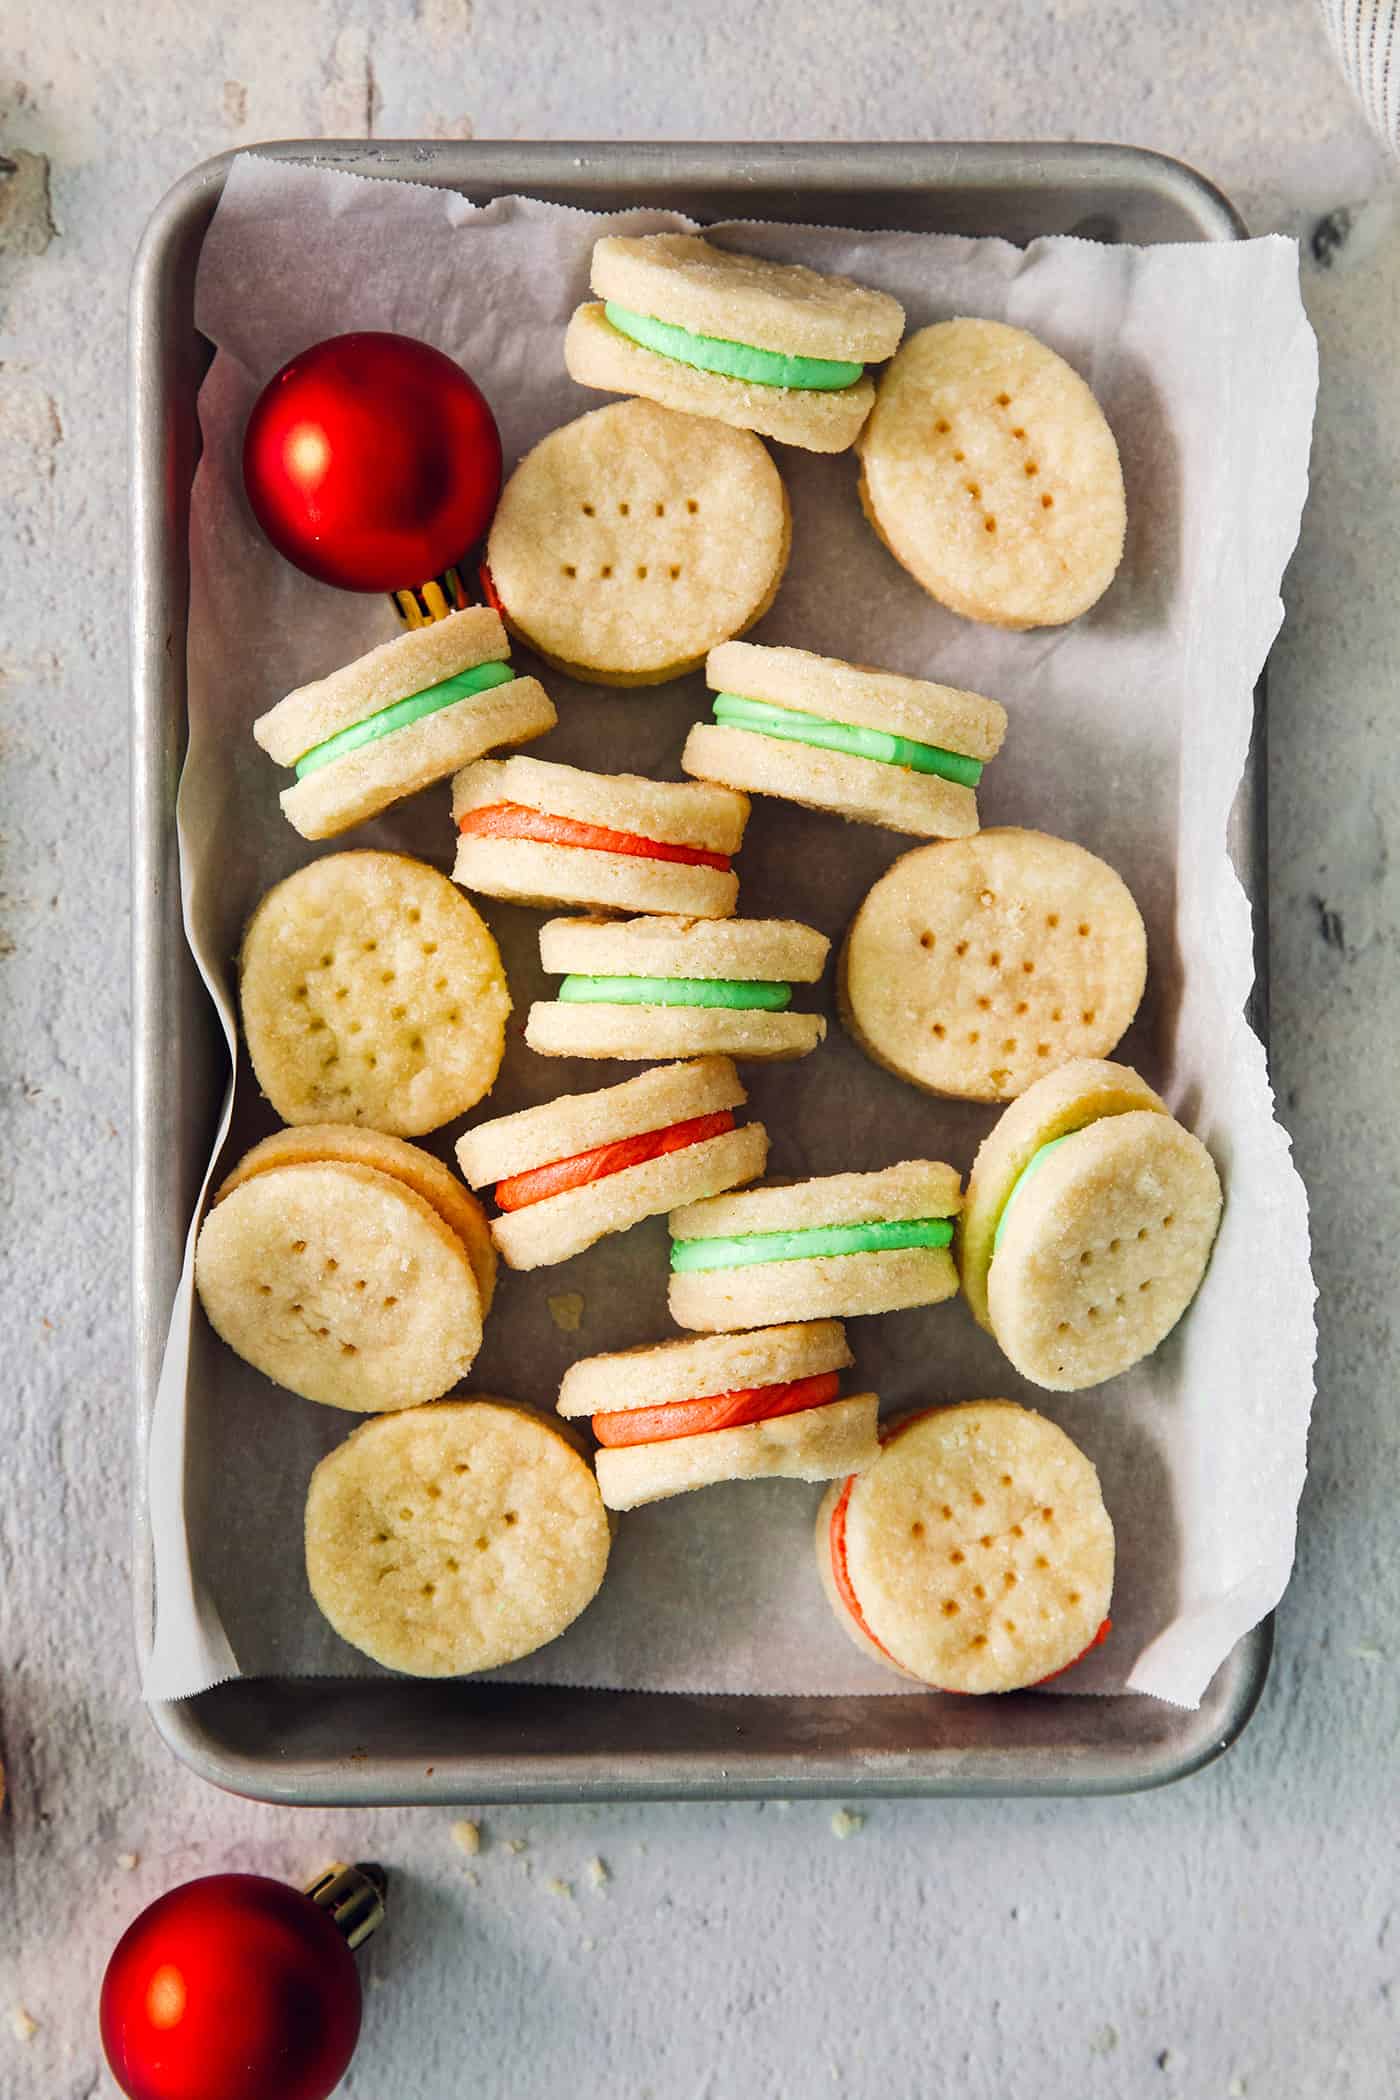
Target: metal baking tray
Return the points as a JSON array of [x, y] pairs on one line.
[[363, 1741]]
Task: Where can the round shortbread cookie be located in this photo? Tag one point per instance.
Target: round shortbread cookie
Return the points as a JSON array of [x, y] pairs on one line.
[[858, 788], [659, 1372], [816, 1444], [410, 1164], [1064, 1100], [629, 542], [407, 664], [354, 788], [454, 1538], [372, 992], [688, 281], [640, 1033], [1102, 1249], [599, 355], [977, 1547], [943, 715], [561, 1226], [341, 1284], [914, 1188], [976, 966], [989, 471], [668, 945]]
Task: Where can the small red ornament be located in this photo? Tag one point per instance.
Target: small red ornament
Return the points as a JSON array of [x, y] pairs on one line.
[[236, 1987], [372, 462]]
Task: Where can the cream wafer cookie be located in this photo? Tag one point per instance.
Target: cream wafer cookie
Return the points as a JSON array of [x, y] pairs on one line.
[[766, 346], [675, 987], [341, 1270], [407, 714], [989, 471], [372, 993], [538, 833], [630, 541], [454, 1538], [870, 745], [573, 1170], [1090, 1218], [977, 965], [687, 1414], [975, 1554], [839, 1245]]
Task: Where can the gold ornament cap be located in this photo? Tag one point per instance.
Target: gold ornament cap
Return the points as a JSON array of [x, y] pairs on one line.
[[353, 1897]]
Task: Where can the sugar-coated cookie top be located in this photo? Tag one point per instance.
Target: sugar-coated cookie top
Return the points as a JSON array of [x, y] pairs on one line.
[[561, 1129], [824, 685], [668, 946], [688, 281], [915, 1188], [653, 1376]]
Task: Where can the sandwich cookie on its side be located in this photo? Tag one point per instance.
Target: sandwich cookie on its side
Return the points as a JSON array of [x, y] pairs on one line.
[[537, 833], [631, 541], [990, 473], [976, 966], [672, 987], [1089, 1222], [766, 346], [569, 1172], [975, 1555], [348, 1267], [835, 1247], [454, 1538], [869, 745], [372, 993], [727, 1407], [411, 712]]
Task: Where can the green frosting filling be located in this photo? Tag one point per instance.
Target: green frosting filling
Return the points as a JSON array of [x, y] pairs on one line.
[[478, 680], [760, 994], [1033, 1166], [751, 1247], [710, 353], [788, 726]]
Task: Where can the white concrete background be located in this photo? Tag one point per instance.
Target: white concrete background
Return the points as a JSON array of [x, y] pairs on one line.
[[1235, 1935]]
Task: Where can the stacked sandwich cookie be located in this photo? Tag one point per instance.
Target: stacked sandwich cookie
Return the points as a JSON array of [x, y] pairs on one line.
[[347, 1266], [975, 1555], [726, 1407], [407, 714], [838, 1246], [1091, 1214], [869, 745], [676, 987], [766, 346], [537, 833], [569, 1172]]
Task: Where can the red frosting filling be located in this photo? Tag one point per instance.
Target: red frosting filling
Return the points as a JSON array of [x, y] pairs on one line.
[[518, 1190], [513, 820], [674, 1418]]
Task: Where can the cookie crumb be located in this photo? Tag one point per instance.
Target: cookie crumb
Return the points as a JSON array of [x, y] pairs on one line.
[[555, 1887], [588, 1945], [598, 1873], [515, 1845], [1105, 2041], [128, 1861], [466, 1835], [845, 1823], [1237, 2088], [1367, 1654], [23, 2025], [566, 1311], [472, 1878]]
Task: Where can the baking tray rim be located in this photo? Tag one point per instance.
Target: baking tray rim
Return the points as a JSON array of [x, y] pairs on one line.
[[159, 520]]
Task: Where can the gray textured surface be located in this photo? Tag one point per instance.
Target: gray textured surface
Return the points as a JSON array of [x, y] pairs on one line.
[[1232, 1936]]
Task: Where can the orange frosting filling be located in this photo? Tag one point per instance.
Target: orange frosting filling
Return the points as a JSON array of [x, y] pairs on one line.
[[674, 1418], [538, 1183], [512, 820]]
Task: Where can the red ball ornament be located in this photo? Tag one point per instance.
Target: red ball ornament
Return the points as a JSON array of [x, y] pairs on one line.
[[372, 462], [236, 1987]]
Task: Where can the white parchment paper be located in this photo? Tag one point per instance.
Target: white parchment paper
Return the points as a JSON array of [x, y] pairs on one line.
[[1128, 732]]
